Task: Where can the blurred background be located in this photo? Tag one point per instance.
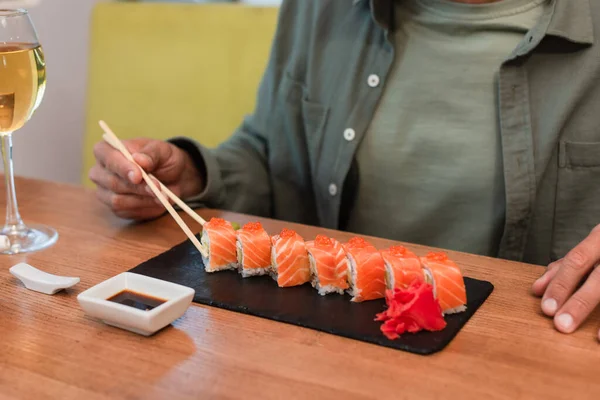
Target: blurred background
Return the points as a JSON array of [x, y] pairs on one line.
[[63, 120]]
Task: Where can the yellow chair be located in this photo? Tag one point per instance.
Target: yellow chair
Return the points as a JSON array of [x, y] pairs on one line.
[[162, 69]]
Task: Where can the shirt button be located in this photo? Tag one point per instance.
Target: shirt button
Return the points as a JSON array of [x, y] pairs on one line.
[[373, 80], [333, 189], [349, 134]]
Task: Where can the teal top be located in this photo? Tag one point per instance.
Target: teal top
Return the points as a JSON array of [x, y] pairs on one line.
[[295, 157]]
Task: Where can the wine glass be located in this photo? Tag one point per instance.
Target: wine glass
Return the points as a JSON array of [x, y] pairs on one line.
[[22, 85]]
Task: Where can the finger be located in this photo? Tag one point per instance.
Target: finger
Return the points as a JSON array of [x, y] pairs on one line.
[[540, 285], [116, 163], [580, 305], [175, 189], [144, 161], [113, 183], [154, 154], [125, 202], [573, 267]]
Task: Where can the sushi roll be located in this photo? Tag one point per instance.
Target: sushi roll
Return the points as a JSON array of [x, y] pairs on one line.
[[328, 265], [402, 267], [289, 259], [366, 270], [447, 280], [218, 239], [253, 250]]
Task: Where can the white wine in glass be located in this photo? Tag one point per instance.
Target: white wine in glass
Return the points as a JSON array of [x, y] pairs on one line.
[[22, 85]]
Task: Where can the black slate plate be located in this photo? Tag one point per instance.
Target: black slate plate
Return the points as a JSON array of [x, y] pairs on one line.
[[302, 305]]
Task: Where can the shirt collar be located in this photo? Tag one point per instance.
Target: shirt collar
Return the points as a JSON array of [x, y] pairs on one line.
[[570, 20], [381, 10]]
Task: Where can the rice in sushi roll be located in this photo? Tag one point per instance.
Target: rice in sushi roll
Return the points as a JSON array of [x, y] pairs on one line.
[[447, 280], [328, 265], [289, 259], [219, 240], [253, 250], [402, 267], [366, 270]]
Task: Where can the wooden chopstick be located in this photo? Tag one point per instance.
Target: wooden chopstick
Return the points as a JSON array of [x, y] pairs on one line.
[[182, 205], [114, 141]]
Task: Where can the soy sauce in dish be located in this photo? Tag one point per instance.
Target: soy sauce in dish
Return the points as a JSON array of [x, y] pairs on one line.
[[136, 300]]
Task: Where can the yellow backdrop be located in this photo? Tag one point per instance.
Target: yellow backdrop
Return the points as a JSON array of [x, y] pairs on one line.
[[159, 70]]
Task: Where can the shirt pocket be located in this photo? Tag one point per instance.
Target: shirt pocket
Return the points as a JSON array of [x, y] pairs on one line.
[[577, 195], [304, 126]]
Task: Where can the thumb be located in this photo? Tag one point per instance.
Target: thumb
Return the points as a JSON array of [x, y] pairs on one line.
[[152, 155]]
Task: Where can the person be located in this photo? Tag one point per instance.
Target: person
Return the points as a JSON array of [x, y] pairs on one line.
[[470, 125]]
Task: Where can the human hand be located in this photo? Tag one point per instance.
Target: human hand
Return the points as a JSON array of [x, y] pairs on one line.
[[561, 297], [120, 184]]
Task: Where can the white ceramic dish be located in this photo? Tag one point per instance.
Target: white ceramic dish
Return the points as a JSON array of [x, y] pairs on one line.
[[41, 281], [178, 298]]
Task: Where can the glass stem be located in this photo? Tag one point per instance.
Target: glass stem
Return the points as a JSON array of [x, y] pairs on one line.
[[14, 223]]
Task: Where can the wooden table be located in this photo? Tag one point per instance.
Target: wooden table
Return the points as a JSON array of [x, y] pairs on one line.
[[50, 349]]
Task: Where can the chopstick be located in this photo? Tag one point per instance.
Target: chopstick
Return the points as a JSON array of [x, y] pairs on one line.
[[112, 139]]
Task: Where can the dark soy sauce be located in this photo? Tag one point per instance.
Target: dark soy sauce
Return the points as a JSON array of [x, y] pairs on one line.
[[136, 300]]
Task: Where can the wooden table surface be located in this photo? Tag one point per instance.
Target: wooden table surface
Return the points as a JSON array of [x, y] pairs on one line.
[[50, 349]]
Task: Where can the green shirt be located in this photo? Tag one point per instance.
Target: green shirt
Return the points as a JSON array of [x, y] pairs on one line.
[[291, 158], [430, 164]]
